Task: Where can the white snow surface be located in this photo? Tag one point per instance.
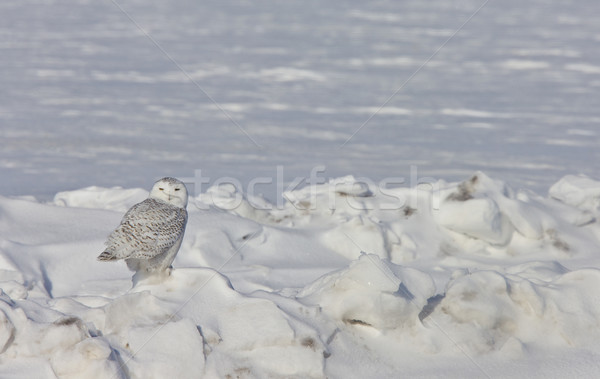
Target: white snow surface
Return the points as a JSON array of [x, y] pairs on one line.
[[350, 280], [381, 189]]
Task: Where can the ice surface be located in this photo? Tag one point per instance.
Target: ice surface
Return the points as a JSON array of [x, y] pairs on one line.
[[89, 100]]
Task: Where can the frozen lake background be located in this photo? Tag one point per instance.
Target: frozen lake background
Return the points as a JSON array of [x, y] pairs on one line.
[[88, 99]]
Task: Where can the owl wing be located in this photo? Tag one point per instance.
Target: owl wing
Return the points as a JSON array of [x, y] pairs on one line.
[[148, 229]]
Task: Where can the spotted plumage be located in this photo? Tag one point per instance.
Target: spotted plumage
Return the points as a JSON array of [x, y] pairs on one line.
[[151, 232]]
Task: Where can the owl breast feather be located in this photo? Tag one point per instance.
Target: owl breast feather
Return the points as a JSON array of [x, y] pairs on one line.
[[148, 229]]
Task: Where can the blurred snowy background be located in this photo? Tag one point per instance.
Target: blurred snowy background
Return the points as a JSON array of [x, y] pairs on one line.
[[101, 92]]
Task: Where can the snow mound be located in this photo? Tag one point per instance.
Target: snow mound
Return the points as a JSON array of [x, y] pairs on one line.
[[371, 292], [578, 191], [490, 310], [116, 198], [66, 344]]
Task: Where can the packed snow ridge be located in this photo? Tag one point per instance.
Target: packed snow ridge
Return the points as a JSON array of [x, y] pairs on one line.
[[346, 279]]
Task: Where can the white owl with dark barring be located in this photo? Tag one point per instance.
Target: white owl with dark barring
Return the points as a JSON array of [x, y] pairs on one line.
[[151, 232]]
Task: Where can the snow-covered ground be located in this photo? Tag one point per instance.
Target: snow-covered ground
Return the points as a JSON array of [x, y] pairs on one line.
[[345, 280], [429, 169]]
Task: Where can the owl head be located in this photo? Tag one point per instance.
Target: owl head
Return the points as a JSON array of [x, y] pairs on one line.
[[170, 190]]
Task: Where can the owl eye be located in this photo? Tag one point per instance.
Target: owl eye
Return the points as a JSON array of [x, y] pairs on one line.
[[161, 189], [177, 189]]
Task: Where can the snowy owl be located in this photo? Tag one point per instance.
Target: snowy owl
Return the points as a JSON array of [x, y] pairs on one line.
[[151, 232]]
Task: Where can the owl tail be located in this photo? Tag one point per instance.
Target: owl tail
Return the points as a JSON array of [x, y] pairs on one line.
[[106, 256]]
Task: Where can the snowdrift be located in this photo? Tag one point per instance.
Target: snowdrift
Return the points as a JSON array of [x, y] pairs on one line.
[[346, 279]]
